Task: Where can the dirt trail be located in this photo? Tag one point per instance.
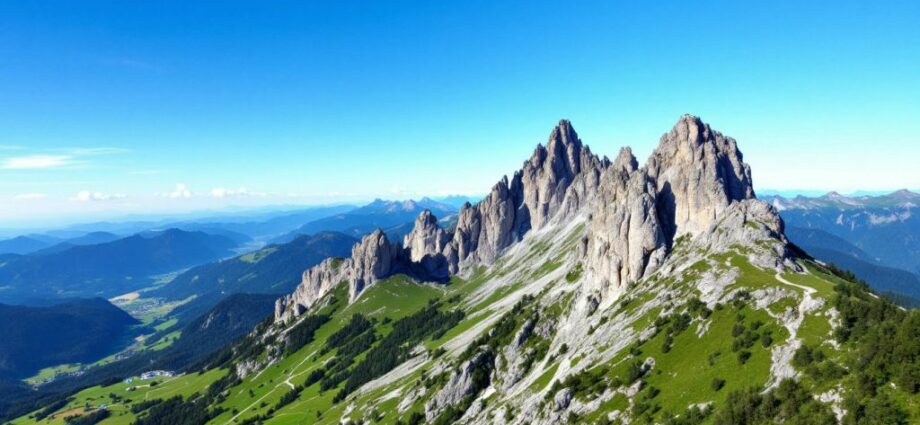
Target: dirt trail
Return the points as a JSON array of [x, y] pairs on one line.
[[781, 357]]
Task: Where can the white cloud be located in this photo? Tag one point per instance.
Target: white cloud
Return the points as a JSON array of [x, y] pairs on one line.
[[182, 192], [31, 162], [86, 196], [220, 192], [29, 196]]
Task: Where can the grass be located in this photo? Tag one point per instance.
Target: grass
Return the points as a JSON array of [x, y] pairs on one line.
[[545, 378], [256, 256], [391, 298], [130, 393]]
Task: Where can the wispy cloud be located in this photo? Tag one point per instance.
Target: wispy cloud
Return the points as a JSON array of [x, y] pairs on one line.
[[87, 196], [182, 192], [32, 162], [53, 158], [29, 196], [220, 192]]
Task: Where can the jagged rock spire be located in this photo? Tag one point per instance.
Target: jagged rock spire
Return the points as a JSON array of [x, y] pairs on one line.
[[558, 176], [698, 172], [693, 179]]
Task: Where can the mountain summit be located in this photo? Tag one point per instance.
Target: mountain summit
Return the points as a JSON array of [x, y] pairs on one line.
[[695, 177]]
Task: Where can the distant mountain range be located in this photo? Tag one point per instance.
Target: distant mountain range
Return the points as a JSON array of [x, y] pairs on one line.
[[393, 217], [876, 237], [275, 269], [106, 269], [76, 331], [38, 243]]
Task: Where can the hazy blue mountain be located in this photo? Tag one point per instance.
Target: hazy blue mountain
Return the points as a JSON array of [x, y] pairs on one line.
[[379, 214], [267, 225], [107, 269], [91, 238], [275, 269], [457, 201], [25, 244], [200, 339], [76, 331], [876, 237], [885, 227], [832, 249]]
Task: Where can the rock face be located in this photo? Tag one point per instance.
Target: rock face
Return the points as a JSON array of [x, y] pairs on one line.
[[426, 237], [695, 179], [374, 258], [698, 172], [462, 384], [559, 176], [625, 239], [316, 282]]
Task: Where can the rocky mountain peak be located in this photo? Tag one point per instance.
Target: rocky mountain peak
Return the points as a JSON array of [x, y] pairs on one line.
[[692, 182], [626, 161], [698, 173]]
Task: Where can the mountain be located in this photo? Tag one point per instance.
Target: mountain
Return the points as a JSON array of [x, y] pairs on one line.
[[832, 249], [266, 226], [72, 332], [25, 244], [198, 340], [91, 238], [883, 228], [390, 216], [275, 269], [579, 290], [107, 269]]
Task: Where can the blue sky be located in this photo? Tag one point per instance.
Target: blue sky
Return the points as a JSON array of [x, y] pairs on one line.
[[116, 107]]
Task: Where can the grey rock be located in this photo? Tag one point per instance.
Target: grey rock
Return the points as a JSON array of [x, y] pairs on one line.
[[560, 176], [458, 387], [625, 238], [426, 238], [316, 282], [698, 172], [373, 259], [562, 399]]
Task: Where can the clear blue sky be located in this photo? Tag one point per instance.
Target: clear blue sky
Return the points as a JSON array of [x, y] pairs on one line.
[[106, 106]]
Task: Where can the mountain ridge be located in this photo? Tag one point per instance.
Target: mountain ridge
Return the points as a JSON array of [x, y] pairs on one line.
[[692, 179]]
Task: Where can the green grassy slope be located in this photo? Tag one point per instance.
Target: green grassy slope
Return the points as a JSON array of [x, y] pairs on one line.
[[712, 336]]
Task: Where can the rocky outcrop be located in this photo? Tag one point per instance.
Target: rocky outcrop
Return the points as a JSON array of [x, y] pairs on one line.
[[426, 237], [698, 172], [748, 222], [462, 384], [374, 258], [560, 176], [316, 282], [625, 238]]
